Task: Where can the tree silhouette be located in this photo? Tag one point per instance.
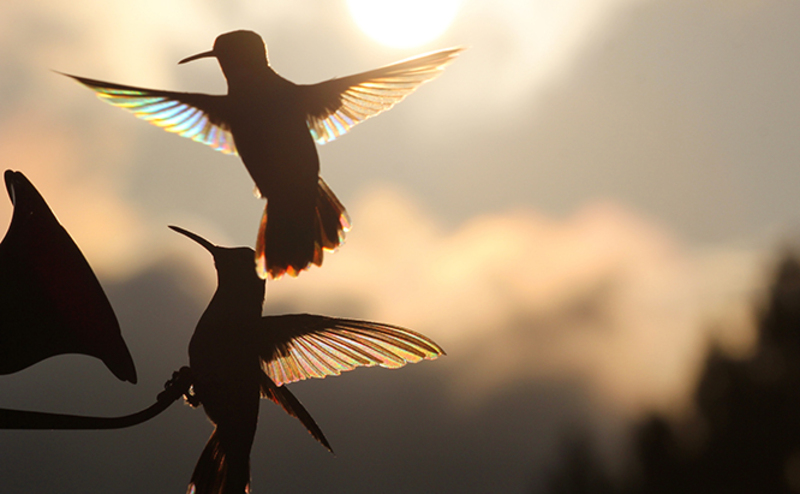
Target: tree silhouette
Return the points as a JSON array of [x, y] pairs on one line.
[[581, 473], [745, 434]]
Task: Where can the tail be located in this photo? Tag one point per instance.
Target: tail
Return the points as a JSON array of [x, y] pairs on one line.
[[283, 397], [223, 467], [294, 239]]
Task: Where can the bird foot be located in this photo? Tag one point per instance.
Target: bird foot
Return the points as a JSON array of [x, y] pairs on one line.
[[179, 384], [192, 399]]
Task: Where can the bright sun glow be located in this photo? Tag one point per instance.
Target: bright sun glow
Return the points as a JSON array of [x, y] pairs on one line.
[[403, 24]]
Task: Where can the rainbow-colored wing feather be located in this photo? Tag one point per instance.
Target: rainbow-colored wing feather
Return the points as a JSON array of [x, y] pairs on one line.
[[192, 115], [337, 105], [332, 107], [302, 346]]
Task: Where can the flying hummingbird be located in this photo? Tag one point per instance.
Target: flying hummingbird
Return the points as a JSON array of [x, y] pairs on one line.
[[236, 356], [272, 124]]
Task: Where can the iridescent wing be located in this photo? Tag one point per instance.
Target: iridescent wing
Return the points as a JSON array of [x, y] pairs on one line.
[[336, 106], [196, 116], [301, 346]]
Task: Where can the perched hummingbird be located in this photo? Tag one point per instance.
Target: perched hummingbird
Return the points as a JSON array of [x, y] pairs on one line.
[[50, 300], [237, 356], [272, 124]]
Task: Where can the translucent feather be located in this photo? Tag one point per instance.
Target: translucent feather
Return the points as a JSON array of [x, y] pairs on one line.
[[306, 346], [350, 100], [185, 114]]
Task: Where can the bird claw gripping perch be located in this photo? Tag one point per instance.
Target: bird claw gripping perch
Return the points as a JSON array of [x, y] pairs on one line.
[[180, 384]]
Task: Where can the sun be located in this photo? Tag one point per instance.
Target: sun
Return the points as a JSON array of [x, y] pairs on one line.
[[403, 24]]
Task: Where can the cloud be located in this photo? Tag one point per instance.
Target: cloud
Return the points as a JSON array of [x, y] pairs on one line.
[[597, 293], [604, 296], [548, 322], [110, 233], [527, 47], [669, 108]]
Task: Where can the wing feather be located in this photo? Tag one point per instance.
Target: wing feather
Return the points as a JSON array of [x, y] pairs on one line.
[[301, 346], [337, 105], [192, 115]]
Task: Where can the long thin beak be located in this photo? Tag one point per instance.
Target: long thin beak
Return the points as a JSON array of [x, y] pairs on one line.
[[197, 238], [205, 54]]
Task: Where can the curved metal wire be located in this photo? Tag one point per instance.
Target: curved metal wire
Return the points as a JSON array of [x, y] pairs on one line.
[[23, 419]]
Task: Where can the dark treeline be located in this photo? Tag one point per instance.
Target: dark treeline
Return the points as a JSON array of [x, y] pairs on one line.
[[744, 436]]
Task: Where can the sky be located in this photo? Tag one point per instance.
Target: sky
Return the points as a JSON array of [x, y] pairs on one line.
[[591, 195]]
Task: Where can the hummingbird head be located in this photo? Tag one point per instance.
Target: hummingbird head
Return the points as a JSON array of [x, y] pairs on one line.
[[238, 53], [235, 265]]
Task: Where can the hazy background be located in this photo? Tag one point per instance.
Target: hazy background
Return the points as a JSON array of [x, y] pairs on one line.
[[583, 201]]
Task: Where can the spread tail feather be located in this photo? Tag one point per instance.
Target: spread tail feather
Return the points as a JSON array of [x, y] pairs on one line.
[[293, 240], [283, 397], [332, 219], [220, 469]]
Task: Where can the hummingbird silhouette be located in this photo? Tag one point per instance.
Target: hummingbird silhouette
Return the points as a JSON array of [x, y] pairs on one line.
[[50, 300], [272, 124], [236, 356]]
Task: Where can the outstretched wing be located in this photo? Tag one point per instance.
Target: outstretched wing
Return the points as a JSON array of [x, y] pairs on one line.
[[196, 116], [335, 106], [301, 346]]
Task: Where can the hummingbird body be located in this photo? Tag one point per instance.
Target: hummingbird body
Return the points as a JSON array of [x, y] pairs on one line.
[[272, 124], [267, 122], [273, 141], [227, 379], [226, 375], [228, 327], [237, 356]]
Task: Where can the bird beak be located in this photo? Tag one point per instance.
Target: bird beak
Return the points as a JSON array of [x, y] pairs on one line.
[[205, 54], [197, 238]]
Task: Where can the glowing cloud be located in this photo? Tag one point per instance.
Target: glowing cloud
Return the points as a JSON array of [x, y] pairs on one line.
[[111, 235], [603, 297]]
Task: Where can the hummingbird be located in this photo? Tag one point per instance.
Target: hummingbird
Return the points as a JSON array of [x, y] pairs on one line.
[[237, 356], [272, 123], [50, 300]]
